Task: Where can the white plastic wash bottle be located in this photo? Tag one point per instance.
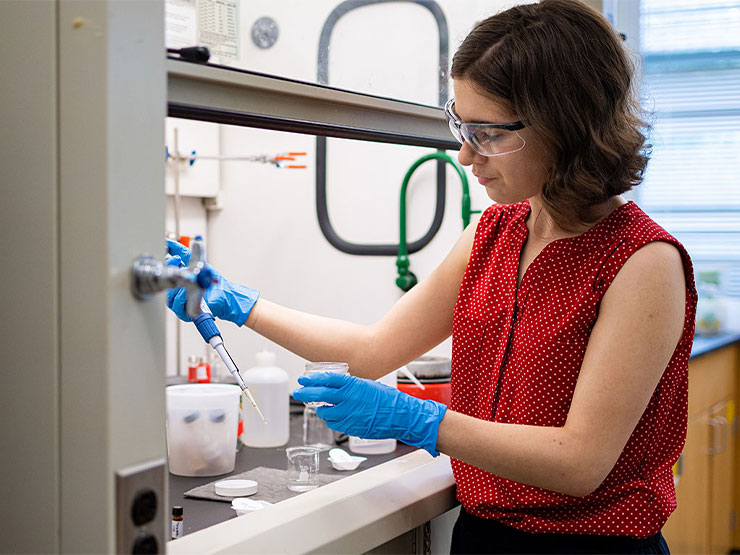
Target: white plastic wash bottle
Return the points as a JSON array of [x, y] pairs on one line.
[[269, 385], [375, 446]]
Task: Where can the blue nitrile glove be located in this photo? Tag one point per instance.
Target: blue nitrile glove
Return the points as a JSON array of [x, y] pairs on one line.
[[227, 300], [372, 410], [174, 248]]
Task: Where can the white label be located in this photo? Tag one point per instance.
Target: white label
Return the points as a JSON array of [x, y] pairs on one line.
[[218, 27], [176, 529]]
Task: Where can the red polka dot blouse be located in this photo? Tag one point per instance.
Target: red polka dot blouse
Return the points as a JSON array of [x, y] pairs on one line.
[[516, 356]]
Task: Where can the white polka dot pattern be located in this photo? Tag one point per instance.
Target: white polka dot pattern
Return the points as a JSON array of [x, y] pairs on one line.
[[516, 356]]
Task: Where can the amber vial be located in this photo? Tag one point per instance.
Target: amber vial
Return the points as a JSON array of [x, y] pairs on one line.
[[177, 523]]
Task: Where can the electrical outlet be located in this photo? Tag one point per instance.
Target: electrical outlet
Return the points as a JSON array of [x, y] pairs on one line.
[[141, 508]]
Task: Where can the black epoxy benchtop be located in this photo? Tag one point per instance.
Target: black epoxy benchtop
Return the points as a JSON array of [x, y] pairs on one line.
[[199, 514]]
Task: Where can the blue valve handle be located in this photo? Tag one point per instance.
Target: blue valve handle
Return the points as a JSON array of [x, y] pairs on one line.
[[206, 277]]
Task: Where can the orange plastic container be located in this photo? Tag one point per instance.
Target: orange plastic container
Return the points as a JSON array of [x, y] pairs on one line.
[[436, 391]]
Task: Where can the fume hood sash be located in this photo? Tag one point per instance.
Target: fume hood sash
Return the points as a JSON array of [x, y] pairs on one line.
[[244, 98]]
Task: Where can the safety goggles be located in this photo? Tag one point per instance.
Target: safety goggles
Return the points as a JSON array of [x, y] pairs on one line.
[[487, 139]]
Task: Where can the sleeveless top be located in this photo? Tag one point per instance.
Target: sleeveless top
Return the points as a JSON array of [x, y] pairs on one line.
[[516, 356]]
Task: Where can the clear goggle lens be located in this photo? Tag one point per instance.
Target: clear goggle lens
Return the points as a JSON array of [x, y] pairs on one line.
[[487, 139]]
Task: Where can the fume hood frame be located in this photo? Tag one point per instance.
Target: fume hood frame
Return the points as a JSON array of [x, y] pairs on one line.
[[322, 209], [220, 94]]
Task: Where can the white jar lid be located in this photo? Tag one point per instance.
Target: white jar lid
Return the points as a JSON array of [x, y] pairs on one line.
[[236, 488]]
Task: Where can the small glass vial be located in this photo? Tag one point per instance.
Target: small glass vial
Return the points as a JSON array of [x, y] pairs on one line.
[[192, 369], [203, 372], [177, 523], [338, 367]]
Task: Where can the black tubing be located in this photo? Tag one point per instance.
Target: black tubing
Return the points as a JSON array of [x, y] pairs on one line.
[[322, 210]]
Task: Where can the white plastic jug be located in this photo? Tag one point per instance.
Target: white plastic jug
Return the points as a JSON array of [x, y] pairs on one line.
[[269, 386]]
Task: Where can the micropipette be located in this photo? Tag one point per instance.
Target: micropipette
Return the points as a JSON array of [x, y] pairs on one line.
[[206, 325]]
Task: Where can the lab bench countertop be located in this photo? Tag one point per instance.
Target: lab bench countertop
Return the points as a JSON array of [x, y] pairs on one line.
[[200, 513], [385, 497], [704, 344]]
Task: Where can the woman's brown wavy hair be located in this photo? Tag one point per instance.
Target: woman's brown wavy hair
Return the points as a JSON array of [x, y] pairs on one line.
[[565, 72]]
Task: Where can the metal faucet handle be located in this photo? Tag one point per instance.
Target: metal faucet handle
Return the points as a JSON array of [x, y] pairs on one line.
[[150, 276], [203, 274]]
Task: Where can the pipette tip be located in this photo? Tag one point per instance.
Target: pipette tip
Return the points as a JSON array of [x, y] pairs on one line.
[[254, 404]]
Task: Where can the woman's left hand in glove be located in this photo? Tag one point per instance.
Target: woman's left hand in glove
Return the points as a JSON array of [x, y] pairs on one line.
[[371, 410]]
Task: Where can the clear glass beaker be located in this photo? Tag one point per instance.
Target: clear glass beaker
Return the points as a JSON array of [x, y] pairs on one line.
[[303, 468], [315, 431], [338, 367]]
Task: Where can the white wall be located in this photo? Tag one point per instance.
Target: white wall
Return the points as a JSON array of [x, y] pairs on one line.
[[267, 235]]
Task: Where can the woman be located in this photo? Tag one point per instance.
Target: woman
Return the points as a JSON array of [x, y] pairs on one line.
[[571, 312]]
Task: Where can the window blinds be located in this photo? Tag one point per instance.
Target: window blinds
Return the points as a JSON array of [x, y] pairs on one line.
[[691, 87]]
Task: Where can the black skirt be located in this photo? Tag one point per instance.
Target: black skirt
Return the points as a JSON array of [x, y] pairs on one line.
[[472, 534]]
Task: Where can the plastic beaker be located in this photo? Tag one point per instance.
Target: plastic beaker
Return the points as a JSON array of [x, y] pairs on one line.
[[303, 468], [338, 367], [202, 422]]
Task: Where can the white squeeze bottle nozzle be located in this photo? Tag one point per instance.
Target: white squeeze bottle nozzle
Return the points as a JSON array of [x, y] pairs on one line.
[[270, 387]]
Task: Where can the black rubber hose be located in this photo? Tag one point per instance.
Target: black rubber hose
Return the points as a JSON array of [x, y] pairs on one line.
[[322, 210]]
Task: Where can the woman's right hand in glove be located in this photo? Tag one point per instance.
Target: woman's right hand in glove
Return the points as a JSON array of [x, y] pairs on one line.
[[227, 300]]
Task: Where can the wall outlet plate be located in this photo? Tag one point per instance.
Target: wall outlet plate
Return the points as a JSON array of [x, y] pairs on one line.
[[141, 506]]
